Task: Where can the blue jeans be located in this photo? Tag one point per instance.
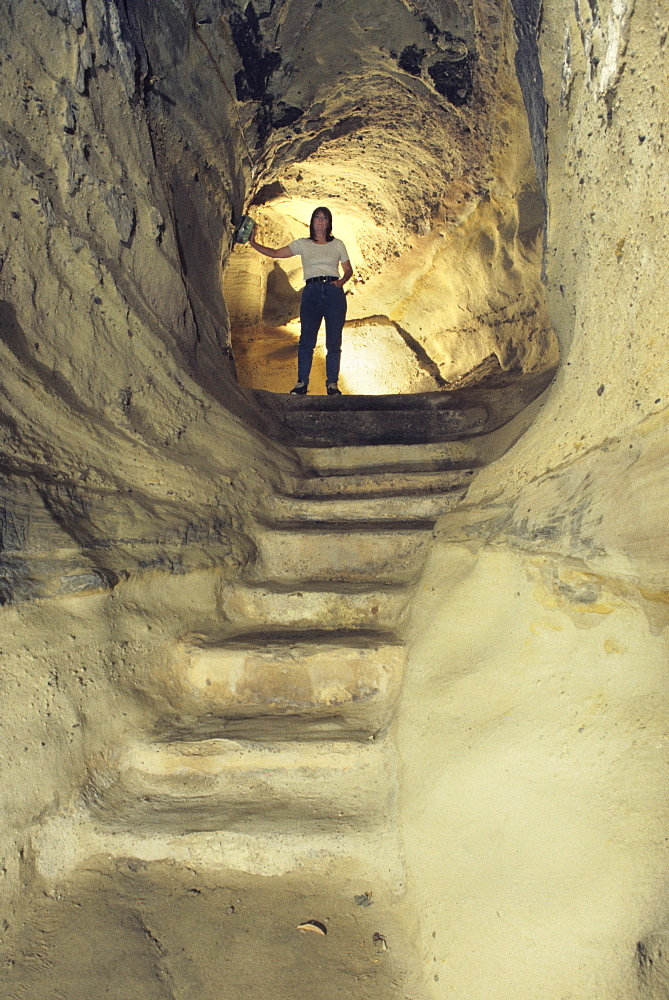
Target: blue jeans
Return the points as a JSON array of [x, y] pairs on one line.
[[321, 300]]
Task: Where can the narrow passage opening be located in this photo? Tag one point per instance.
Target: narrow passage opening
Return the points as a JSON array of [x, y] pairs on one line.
[[430, 311], [439, 302], [412, 130]]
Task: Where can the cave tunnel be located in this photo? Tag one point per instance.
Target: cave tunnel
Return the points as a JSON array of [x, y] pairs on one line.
[[356, 696], [419, 142]]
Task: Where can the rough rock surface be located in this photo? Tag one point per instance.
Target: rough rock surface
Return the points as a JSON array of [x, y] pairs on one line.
[[546, 659], [505, 647], [170, 931]]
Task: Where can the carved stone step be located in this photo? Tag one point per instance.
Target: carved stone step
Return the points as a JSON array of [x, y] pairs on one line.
[[357, 554], [184, 788], [307, 606], [382, 484], [254, 849], [331, 428], [334, 421], [422, 507], [290, 688], [391, 459]]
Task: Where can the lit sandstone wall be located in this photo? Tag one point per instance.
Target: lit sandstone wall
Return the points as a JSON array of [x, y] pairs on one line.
[[408, 121]]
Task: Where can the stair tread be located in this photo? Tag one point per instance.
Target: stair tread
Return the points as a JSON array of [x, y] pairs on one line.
[[359, 552], [353, 587], [218, 754], [386, 510], [281, 684], [367, 526], [408, 426], [303, 641], [265, 852], [369, 459], [196, 787], [315, 604], [334, 492], [433, 416], [289, 728], [365, 485]]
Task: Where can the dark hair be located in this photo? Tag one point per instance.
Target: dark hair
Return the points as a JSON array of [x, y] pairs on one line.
[[328, 215]]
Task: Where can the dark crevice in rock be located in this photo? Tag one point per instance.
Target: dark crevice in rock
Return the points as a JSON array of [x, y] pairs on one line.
[[69, 11], [259, 63], [453, 80], [430, 26], [285, 115], [121, 41], [595, 10], [268, 192], [422, 357], [527, 21], [451, 75], [411, 60]]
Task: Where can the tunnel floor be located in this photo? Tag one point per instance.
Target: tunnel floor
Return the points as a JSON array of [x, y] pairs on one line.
[[160, 931], [372, 362], [266, 358]]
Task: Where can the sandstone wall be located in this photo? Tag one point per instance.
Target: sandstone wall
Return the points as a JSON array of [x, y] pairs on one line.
[[124, 452], [545, 670]]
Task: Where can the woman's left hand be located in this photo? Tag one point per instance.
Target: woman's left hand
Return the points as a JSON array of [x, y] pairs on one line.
[[348, 273]]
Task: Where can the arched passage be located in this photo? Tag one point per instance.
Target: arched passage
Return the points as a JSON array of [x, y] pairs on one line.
[[416, 136]]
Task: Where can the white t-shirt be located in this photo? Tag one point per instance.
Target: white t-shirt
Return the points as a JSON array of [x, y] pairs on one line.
[[319, 258]]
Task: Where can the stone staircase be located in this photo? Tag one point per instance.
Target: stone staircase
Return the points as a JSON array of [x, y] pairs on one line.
[[276, 755]]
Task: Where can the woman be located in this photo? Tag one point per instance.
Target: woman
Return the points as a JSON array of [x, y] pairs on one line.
[[323, 296]]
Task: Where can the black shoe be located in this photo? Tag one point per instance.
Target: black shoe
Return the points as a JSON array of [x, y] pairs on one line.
[[333, 389], [300, 389]]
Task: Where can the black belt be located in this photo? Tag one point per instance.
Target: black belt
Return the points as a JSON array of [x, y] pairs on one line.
[[321, 277]]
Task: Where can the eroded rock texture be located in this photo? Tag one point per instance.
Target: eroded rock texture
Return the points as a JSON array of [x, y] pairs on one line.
[[556, 699], [391, 670], [114, 327]]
